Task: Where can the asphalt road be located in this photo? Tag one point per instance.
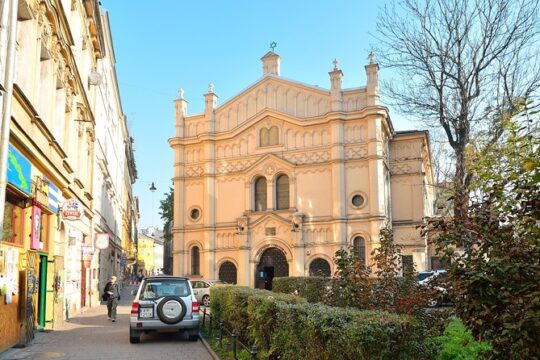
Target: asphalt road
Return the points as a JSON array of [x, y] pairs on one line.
[[91, 336]]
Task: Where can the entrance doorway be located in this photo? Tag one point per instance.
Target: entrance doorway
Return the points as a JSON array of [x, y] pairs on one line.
[[273, 263]]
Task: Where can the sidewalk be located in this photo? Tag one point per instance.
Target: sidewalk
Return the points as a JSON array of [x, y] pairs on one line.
[[90, 336]]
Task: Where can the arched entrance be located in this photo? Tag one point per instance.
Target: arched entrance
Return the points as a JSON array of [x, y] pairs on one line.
[[227, 272], [273, 263]]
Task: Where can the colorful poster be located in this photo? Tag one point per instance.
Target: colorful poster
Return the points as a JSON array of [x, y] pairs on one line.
[[19, 171], [35, 236]]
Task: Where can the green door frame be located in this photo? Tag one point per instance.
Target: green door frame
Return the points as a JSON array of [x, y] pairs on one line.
[[42, 297]]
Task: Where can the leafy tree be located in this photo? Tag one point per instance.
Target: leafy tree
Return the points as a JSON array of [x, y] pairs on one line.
[[458, 62], [496, 277], [166, 207], [350, 286]]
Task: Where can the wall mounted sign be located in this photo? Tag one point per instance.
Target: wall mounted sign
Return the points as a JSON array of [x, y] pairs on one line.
[[35, 235], [72, 210], [102, 241], [19, 171], [54, 197]]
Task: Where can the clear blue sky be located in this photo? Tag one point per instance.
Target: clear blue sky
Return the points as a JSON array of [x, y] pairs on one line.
[[162, 45]]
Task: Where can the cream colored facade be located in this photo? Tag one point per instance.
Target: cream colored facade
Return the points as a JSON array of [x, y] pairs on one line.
[[328, 164]]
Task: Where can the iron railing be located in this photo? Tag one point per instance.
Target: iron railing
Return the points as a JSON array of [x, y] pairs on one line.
[[217, 325]]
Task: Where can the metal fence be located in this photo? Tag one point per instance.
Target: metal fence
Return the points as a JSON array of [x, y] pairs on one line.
[[216, 328]]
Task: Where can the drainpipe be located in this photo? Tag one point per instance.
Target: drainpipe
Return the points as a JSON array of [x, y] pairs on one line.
[[7, 99]]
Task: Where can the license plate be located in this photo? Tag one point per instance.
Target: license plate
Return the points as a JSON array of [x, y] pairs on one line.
[[146, 312]]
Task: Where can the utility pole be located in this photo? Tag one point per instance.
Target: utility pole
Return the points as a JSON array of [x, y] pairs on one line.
[[9, 15]]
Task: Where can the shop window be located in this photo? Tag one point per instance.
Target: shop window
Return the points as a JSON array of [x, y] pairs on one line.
[[13, 221]]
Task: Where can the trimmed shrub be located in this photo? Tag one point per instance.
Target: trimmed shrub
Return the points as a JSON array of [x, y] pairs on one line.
[[309, 331], [312, 288], [230, 304]]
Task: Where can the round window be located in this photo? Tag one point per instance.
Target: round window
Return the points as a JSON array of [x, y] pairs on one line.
[[357, 200], [195, 214]]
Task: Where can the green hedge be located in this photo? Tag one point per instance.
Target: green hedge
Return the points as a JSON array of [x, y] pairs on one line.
[[230, 304], [312, 288], [287, 327]]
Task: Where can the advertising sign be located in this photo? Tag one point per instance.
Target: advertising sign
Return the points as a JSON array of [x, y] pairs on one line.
[[72, 210], [19, 171]]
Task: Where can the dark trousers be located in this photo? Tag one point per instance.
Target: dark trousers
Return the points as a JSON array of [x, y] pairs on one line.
[[111, 307]]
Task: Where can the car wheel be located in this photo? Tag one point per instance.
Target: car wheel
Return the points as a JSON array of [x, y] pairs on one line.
[[206, 300], [171, 310], [134, 337]]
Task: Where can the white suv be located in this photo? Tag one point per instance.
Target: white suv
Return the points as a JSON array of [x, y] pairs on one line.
[[164, 303]]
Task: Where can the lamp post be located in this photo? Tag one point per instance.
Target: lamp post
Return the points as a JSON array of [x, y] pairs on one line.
[[153, 190]]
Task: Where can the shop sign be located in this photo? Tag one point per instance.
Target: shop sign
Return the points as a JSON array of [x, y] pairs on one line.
[[19, 171], [102, 241], [72, 210], [53, 197], [35, 235], [87, 252], [41, 191]]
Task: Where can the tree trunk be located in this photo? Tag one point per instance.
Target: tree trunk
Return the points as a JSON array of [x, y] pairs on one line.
[[461, 192]]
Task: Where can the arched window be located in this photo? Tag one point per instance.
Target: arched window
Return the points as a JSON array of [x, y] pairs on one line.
[[282, 192], [269, 137], [273, 136], [264, 137], [227, 272], [359, 245], [319, 267], [260, 194], [195, 261]]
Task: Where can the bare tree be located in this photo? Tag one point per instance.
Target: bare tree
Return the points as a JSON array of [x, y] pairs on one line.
[[460, 63]]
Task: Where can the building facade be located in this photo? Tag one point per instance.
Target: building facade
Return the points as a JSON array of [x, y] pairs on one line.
[[49, 261], [275, 180]]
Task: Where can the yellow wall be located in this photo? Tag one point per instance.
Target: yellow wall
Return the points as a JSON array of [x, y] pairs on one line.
[[145, 252]]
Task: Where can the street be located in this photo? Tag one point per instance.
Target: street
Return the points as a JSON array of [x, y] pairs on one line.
[[92, 336]]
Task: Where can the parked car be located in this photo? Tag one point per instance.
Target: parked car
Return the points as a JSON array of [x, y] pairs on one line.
[[164, 303], [202, 290], [438, 281]]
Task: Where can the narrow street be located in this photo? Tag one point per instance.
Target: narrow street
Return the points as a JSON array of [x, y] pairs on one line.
[[92, 336]]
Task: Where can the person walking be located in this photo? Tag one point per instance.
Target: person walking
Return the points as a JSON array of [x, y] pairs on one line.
[[112, 295]]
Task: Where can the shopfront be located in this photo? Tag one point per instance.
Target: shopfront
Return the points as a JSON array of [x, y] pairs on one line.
[[25, 268]]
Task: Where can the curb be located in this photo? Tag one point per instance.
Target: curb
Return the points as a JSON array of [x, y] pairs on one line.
[[209, 348]]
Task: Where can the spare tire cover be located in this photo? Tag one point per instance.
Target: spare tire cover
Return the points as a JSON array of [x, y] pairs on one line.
[[171, 310]]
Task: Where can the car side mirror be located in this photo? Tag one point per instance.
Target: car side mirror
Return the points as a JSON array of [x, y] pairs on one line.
[[133, 292], [195, 292]]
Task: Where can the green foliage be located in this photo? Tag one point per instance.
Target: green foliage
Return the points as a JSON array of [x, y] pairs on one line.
[[230, 304], [287, 327], [316, 331], [351, 285], [312, 288], [166, 207], [495, 273], [457, 343]]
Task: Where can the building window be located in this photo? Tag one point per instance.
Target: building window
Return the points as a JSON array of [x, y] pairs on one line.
[[195, 213], [282, 192], [359, 245], [195, 261], [357, 200], [407, 264], [13, 221], [260, 194], [319, 267], [269, 136]]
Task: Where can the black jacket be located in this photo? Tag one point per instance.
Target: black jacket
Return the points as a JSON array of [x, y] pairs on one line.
[[112, 288]]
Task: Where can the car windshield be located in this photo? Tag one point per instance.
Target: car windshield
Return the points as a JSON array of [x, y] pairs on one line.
[[424, 275], [154, 289]]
